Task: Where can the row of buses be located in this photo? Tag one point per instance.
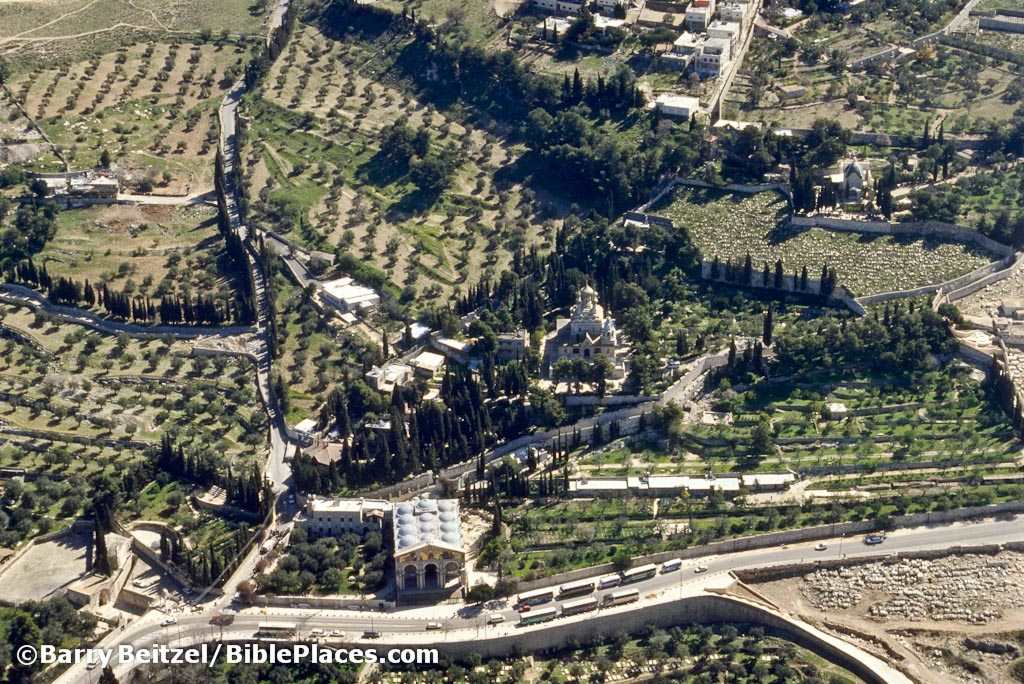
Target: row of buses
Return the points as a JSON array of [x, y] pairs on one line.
[[583, 605], [528, 599]]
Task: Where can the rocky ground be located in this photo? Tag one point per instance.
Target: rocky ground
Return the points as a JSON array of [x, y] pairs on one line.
[[953, 619]]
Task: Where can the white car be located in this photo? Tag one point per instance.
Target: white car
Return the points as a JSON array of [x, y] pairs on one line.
[[820, 547], [495, 618], [431, 626], [337, 633], [700, 568], [169, 621]]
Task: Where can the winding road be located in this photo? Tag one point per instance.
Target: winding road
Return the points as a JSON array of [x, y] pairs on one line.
[[462, 625]]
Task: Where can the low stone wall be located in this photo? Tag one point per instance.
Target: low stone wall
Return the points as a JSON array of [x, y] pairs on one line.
[[613, 400], [965, 290], [224, 509], [341, 602], [926, 229], [771, 539], [703, 609], [780, 572]]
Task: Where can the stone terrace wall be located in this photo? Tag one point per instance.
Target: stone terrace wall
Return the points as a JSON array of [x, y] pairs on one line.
[[704, 609], [785, 537]]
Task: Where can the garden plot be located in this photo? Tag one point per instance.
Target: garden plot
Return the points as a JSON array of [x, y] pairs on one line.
[[731, 226], [151, 251], [312, 360], [318, 103], [116, 388], [48, 32], [945, 419], [151, 107]]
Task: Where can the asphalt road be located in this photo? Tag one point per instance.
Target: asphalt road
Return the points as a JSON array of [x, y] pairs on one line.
[[462, 623]]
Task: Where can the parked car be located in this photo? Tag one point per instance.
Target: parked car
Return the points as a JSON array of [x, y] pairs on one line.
[[371, 634], [495, 618], [432, 626]]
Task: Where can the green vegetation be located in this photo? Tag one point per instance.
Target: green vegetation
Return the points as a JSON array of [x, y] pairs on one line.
[[81, 404], [54, 622], [328, 565], [319, 168], [149, 251], [731, 226]]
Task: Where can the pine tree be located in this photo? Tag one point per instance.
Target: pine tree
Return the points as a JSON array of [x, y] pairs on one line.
[[766, 334]]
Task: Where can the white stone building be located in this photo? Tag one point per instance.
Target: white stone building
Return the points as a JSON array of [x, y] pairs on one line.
[[346, 295], [429, 553], [714, 57], [559, 6], [679, 106], [699, 14], [728, 30], [337, 517]]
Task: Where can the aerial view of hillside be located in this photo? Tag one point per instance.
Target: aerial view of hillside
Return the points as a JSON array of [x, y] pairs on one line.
[[388, 341]]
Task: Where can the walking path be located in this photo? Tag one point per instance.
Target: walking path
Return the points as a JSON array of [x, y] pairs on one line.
[[23, 296]]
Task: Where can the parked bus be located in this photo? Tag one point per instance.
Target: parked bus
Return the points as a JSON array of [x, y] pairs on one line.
[[620, 597], [640, 573], [534, 598], [538, 616], [671, 565], [580, 588], [282, 629], [578, 606], [609, 581]]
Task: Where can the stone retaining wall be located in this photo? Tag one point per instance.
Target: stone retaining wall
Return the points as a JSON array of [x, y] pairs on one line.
[[779, 572], [785, 537]]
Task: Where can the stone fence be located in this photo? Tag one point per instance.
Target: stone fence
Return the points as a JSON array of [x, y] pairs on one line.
[[772, 539], [772, 573], [926, 229], [335, 602], [980, 283]]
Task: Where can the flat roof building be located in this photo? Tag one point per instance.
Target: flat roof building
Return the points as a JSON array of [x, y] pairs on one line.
[[348, 296], [680, 106], [336, 517]]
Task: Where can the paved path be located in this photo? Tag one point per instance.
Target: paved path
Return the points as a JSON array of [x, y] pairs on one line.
[[205, 197], [23, 296], [407, 627]]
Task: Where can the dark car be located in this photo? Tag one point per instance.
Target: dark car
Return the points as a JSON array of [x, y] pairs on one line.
[[371, 634], [873, 539]]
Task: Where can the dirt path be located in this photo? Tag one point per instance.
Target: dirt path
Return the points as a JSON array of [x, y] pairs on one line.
[[59, 19]]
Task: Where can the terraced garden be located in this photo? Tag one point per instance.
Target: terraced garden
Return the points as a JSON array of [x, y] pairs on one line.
[[84, 384], [731, 226], [314, 358], [151, 107], [50, 32], [320, 102], [151, 251], [551, 538]]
